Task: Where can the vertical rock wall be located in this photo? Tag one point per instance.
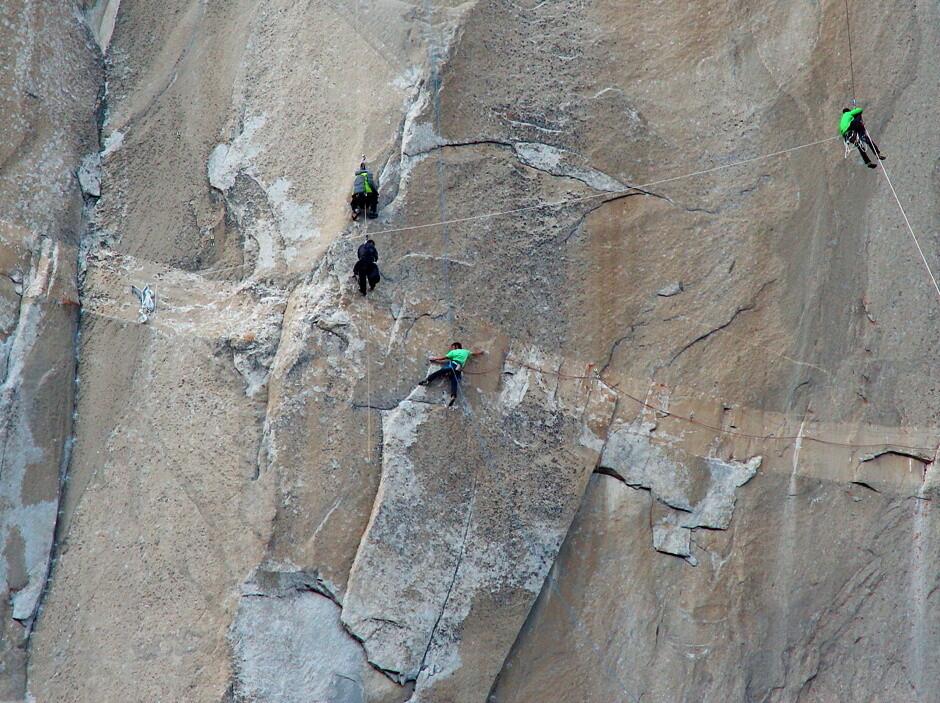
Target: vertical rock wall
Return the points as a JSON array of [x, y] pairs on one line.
[[260, 505], [48, 94]]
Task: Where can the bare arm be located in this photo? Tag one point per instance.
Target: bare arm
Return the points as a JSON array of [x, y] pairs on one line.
[[438, 359]]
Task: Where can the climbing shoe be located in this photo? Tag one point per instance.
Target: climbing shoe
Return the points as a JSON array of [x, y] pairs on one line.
[[452, 399], [872, 165]]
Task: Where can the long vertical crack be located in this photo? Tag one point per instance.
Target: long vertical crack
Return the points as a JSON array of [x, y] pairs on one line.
[[453, 580], [86, 225]]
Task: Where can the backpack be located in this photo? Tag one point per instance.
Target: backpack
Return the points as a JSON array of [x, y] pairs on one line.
[[366, 181], [367, 253]]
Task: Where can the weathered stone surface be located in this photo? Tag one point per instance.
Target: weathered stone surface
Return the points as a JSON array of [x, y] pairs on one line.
[[451, 560], [48, 94], [289, 646], [322, 441], [162, 482], [779, 607], [670, 290], [258, 450]]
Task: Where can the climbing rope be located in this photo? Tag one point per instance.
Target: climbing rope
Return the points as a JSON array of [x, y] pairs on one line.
[[368, 387], [848, 31], [365, 234], [604, 194], [594, 377], [557, 203], [448, 291], [910, 229], [489, 463]]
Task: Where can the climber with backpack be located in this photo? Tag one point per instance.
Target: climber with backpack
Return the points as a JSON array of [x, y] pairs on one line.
[[367, 268], [452, 366], [853, 132], [365, 195]]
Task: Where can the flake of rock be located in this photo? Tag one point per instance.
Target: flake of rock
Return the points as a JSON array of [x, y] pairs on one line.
[[672, 539], [703, 488], [714, 511], [443, 575], [670, 290], [631, 452], [89, 175], [292, 648]]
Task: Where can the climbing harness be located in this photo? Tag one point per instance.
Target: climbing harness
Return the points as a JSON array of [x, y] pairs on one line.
[[854, 139]]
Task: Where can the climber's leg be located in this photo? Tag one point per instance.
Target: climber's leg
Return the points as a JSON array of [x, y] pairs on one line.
[[357, 203], [454, 384], [433, 377], [874, 147], [868, 162], [854, 137]]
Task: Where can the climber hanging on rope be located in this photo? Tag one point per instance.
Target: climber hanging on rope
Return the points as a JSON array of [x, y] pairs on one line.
[[367, 268], [365, 195], [853, 132], [453, 363]]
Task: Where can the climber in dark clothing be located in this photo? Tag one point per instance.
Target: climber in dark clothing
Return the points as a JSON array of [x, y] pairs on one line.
[[367, 250], [853, 132], [453, 363], [367, 268], [365, 194]]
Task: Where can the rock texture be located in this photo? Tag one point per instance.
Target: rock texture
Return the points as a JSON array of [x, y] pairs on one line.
[[695, 463], [48, 93]]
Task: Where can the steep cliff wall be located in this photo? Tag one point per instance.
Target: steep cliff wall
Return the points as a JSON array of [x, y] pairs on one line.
[[696, 460], [48, 94]]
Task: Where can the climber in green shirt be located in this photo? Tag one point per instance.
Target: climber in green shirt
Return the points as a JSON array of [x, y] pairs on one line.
[[453, 363], [853, 132]]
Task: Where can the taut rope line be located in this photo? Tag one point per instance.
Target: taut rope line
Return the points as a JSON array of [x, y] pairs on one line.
[[605, 194], [848, 31], [910, 229]]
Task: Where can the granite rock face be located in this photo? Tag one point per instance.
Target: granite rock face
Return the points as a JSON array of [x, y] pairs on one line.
[[696, 461], [48, 94]]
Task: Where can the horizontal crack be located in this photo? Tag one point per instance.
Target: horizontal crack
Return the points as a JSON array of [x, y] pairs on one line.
[[702, 337], [454, 145]]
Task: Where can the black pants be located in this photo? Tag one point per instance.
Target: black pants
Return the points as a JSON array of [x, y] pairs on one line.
[[370, 274], [449, 371], [859, 137], [365, 201]]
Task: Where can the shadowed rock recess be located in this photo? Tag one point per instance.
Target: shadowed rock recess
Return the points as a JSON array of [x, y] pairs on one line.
[[696, 463]]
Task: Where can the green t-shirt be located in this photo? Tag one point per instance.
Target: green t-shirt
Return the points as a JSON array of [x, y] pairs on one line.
[[846, 120], [459, 355]]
